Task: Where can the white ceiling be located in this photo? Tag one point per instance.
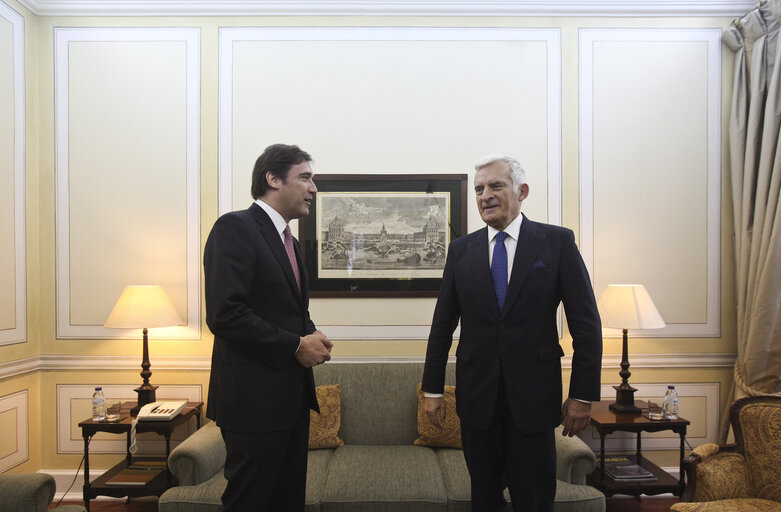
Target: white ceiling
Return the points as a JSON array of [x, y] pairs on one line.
[[389, 7]]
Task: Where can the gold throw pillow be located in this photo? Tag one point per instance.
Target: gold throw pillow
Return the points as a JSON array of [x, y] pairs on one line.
[[324, 427], [430, 435]]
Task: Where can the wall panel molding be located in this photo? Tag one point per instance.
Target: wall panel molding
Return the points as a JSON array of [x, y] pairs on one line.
[[124, 40], [540, 49], [203, 363], [67, 424], [18, 333], [17, 403], [388, 8], [707, 149], [550, 37]]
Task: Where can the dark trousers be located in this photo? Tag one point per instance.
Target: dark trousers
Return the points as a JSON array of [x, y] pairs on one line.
[[503, 456], [266, 471]]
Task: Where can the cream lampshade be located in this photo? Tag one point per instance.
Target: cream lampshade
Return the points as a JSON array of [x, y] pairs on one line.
[[627, 306], [140, 307]]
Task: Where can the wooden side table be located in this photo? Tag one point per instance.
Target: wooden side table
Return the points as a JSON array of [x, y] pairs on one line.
[[156, 486], [606, 422]]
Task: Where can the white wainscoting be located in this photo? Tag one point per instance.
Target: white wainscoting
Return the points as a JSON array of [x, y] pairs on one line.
[[17, 403], [203, 363], [704, 429], [76, 399]]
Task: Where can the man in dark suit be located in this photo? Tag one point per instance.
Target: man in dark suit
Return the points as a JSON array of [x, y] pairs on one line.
[[505, 282], [261, 387]]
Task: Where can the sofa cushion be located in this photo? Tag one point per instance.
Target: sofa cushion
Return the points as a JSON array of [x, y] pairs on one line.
[[206, 497], [384, 479], [569, 497], [324, 427], [430, 435], [316, 473]]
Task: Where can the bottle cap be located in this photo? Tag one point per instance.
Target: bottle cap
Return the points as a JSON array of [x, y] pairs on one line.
[[98, 388], [670, 387]]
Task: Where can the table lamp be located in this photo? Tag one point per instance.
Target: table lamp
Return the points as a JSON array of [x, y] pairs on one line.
[[140, 307], [627, 306]]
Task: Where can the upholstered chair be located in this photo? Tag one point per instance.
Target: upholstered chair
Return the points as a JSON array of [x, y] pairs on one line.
[[741, 477], [30, 493]]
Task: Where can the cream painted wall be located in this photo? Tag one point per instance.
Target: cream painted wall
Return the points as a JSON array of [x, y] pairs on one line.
[[185, 361], [13, 292], [656, 200], [120, 208]]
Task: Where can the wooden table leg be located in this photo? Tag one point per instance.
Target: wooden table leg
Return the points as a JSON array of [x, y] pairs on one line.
[[85, 488]]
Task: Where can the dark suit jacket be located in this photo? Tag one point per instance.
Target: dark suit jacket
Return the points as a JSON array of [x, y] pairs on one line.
[[257, 315], [522, 341]]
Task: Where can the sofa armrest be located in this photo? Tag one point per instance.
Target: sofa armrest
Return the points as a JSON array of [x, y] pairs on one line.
[[575, 460], [715, 472], [199, 457], [31, 492]]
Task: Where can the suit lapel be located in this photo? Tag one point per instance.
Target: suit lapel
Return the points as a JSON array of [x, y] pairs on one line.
[[301, 270], [478, 260], [269, 232], [526, 251]]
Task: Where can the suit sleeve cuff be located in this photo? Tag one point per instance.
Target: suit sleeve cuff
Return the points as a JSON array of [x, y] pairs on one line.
[[582, 401], [433, 395]]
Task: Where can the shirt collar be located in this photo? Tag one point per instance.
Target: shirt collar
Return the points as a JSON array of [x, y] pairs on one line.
[[276, 218], [512, 230]]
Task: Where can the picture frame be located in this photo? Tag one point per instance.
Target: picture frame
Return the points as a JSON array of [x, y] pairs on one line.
[[381, 235]]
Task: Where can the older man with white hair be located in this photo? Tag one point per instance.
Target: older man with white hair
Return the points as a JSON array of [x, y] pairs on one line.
[[504, 283]]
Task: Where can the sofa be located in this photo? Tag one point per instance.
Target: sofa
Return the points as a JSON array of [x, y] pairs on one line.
[[30, 493], [744, 476], [378, 468]]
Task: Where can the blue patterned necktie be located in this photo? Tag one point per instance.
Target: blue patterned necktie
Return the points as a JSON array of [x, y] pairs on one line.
[[499, 268]]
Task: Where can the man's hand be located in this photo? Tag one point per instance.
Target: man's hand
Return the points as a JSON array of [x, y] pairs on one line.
[[328, 344], [435, 409], [314, 349], [575, 416]]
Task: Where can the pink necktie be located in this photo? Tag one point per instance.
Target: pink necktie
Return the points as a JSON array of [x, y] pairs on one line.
[[291, 254]]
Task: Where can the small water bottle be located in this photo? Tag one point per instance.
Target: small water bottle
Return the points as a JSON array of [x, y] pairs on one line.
[[670, 410], [98, 405]]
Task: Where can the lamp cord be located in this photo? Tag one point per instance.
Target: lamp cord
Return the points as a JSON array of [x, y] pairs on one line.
[[75, 476]]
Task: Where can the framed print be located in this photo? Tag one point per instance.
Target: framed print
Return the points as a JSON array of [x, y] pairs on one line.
[[381, 235]]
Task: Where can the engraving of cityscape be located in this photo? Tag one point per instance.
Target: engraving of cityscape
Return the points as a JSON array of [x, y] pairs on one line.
[[399, 235]]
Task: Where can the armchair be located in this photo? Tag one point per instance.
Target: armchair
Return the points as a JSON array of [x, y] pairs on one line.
[[740, 477], [30, 493]]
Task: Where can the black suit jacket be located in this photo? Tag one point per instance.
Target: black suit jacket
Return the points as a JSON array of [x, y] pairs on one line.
[[257, 315], [522, 341]]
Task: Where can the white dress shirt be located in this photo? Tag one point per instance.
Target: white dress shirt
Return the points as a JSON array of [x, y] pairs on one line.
[[276, 218]]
